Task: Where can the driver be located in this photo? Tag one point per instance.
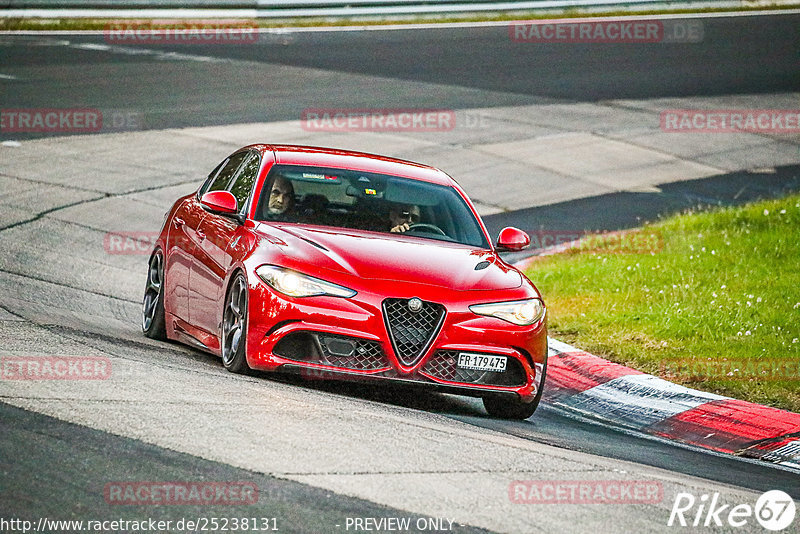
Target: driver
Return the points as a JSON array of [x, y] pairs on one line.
[[401, 217], [281, 197]]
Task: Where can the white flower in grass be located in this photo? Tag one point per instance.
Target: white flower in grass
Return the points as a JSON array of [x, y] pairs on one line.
[[783, 212], [747, 333], [766, 212]]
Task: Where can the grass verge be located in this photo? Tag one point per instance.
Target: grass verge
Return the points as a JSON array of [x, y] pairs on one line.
[[716, 306]]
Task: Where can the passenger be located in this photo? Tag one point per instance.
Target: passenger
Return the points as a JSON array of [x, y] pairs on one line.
[[401, 217]]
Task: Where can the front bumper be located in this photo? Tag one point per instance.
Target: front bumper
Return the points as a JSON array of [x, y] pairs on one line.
[[336, 338]]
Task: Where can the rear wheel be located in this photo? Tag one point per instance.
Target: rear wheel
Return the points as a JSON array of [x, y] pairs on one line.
[[234, 327], [506, 408], [153, 321]]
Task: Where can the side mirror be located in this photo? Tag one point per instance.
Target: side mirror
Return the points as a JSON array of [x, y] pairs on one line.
[[222, 202], [512, 239]]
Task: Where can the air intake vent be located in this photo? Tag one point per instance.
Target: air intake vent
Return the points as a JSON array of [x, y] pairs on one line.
[[443, 366]]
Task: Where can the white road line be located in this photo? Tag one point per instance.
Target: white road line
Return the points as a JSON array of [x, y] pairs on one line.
[[138, 51], [8, 77]]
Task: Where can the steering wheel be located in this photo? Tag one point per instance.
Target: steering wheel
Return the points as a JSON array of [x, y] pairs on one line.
[[430, 228]]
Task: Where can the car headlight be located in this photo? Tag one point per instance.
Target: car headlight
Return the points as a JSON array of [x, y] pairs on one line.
[[519, 312], [296, 284]]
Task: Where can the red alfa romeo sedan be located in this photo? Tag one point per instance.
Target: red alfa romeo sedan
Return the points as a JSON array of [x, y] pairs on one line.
[[349, 266]]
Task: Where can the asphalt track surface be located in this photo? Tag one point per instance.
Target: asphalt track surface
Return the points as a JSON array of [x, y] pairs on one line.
[[54, 467], [461, 68]]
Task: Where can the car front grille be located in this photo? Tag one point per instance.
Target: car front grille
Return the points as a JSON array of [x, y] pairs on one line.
[[443, 365], [412, 332], [338, 351]]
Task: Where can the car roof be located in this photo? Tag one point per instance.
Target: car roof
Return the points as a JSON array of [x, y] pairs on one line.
[[359, 161]]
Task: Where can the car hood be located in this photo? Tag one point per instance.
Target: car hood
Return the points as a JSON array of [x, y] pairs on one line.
[[377, 256]]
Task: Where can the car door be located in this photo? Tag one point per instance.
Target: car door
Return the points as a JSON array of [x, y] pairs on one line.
[[182, 241], [220, 237]]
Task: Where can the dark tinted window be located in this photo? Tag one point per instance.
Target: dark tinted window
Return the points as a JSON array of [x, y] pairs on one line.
[[228, 171], [210, 178], [244, 181], [368, 201]]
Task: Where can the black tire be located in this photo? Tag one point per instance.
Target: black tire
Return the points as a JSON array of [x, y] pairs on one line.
[[153, 320], [234, 327], [506, 408]]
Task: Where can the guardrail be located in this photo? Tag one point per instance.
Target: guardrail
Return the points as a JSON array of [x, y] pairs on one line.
[[328, 8]]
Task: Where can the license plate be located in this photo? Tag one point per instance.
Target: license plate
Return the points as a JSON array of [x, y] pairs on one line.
[[481, 362]]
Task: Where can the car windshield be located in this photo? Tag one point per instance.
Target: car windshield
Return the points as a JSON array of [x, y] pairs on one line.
[[367, 201]]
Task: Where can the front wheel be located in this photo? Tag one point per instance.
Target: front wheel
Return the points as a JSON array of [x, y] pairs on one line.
[[505, 408], [153, 321], [234, 327]]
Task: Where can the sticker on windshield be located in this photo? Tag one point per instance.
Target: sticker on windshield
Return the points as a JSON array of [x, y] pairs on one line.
[[325, 177]]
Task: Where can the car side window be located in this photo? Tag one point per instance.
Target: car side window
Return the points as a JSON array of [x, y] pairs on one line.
[[210, 178], [243, 184], [222, 180]]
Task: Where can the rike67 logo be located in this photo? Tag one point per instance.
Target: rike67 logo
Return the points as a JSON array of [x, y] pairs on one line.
[[774, 510]]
